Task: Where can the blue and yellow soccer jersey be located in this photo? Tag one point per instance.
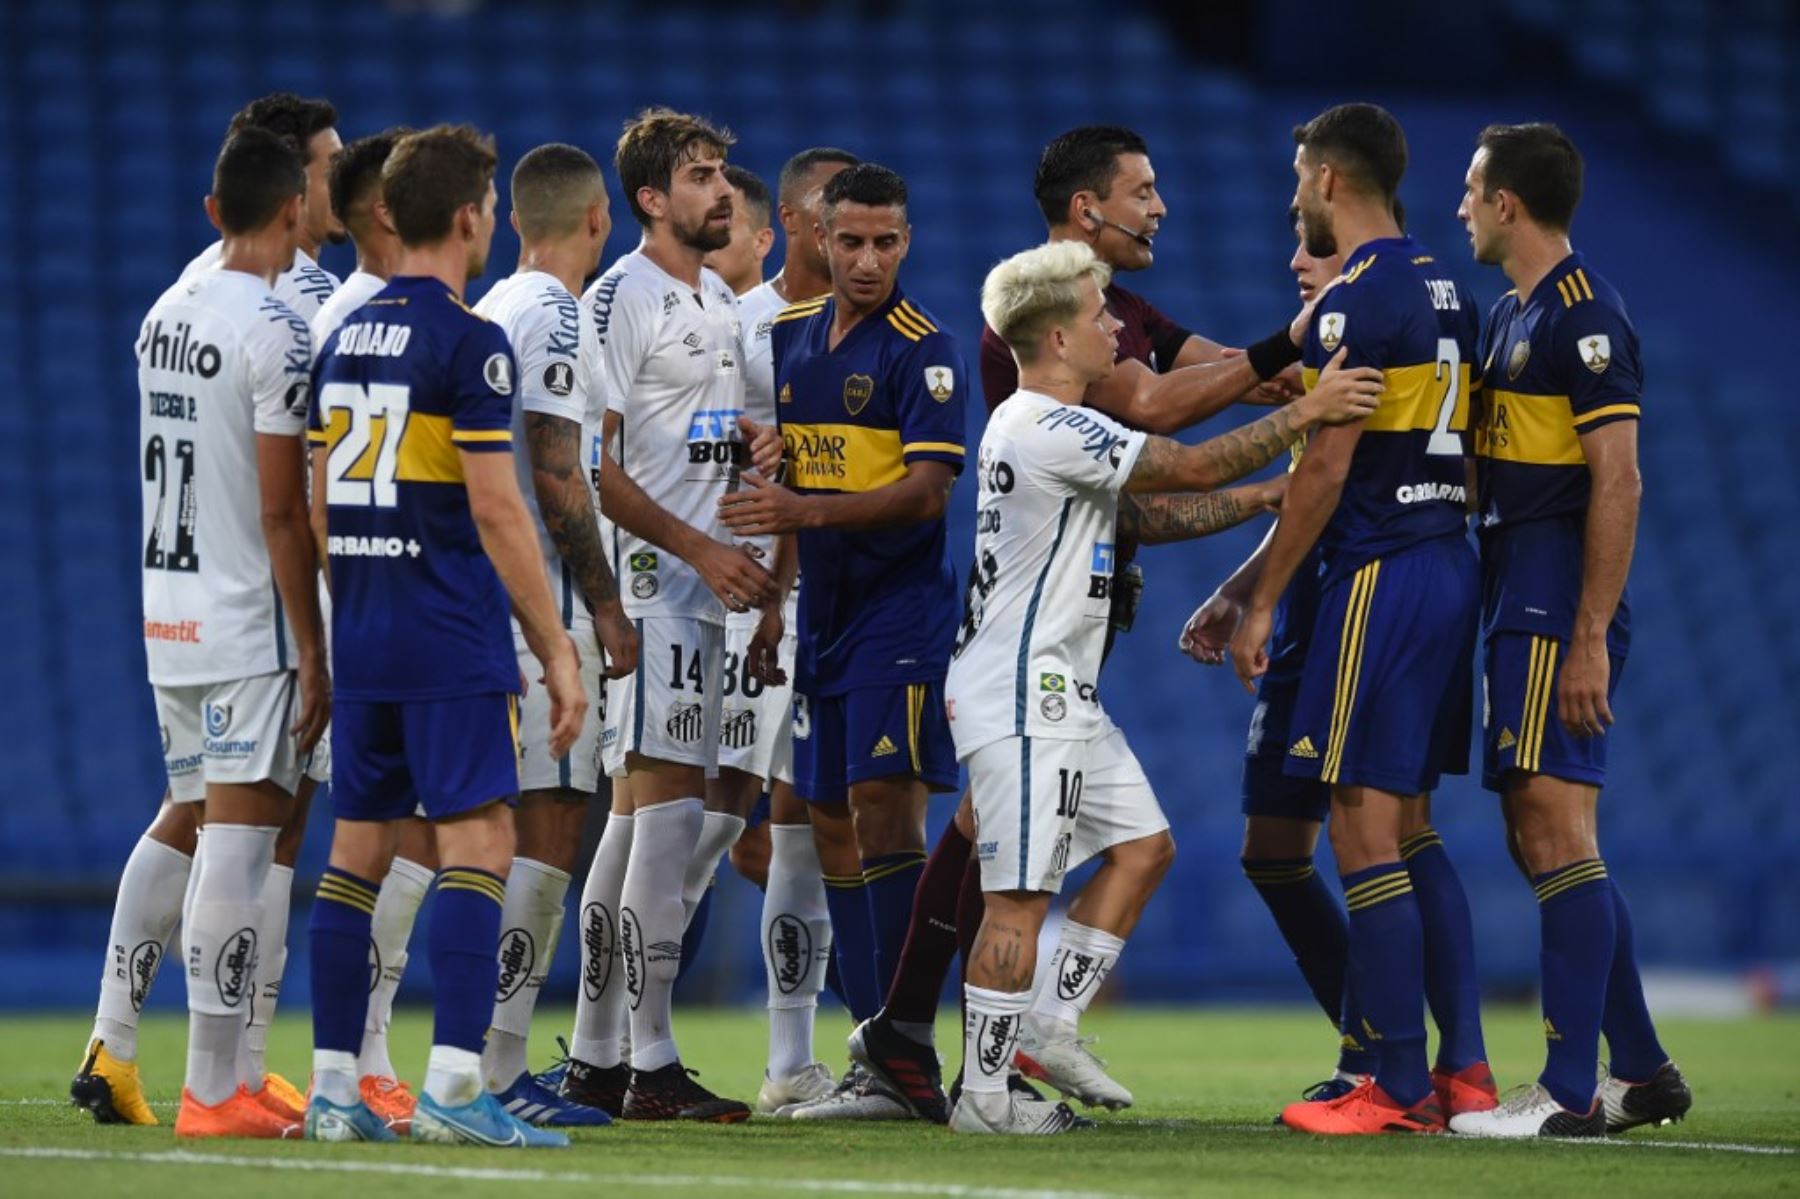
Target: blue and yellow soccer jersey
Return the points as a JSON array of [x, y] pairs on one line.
[[877, 606], [1560, 363], [1396, 311], [407, 382]]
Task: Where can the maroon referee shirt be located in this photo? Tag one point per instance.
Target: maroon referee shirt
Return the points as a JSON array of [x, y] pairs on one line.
[[1149, 336]]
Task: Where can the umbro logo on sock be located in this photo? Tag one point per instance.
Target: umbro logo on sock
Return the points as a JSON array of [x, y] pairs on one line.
[[1506, 740], [884, 747], [1303, 748]]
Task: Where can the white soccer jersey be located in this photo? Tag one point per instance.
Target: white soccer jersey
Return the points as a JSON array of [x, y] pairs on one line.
[[551, 340], [304, 287], [756, 312], [351, 294], [669, 361], [220, 359], [1029, 651]]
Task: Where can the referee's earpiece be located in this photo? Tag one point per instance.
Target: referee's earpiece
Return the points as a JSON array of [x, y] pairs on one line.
[[1096, 221]]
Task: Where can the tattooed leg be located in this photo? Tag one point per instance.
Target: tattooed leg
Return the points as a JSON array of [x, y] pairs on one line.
[[1005, 954]]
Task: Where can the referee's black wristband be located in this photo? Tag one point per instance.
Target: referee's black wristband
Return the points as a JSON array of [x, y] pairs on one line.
[[1270, 356]]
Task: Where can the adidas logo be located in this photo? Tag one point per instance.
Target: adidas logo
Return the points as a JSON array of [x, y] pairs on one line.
[[1550, 1033], [884, 747], [1303, 748], [1506, 740]]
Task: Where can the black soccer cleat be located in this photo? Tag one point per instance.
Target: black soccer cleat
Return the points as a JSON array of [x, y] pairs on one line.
[[672, 1094], [909, 1069], [1663, 1099], [603, 1087]]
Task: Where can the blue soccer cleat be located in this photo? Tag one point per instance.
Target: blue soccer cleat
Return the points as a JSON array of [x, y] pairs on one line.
[[529, 1100], [328, 1121], [483, 1122]]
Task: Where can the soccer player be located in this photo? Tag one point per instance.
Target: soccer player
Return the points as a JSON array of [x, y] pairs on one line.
[[430, 544], [871, 395], [1094, 185], [1385, 713], [1054, 781], [559, 209], [1556, 451], [238, 667], [669, 368], [354, 185]]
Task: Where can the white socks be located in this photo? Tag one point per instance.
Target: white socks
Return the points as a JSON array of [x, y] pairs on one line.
[[990, 1036], [334, 1076], [651, 920], [396, 906], [529, 920], [151, 889], [1084, 957], [796, 944], [453, 1076], [717, 835], [222, 951], [271, 964], [600, 1004]]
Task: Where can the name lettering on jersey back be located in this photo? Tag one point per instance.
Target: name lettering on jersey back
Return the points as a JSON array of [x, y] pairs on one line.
[[176, 349], [373, 339], [1443, 295], [1097, 440], [172, 406]]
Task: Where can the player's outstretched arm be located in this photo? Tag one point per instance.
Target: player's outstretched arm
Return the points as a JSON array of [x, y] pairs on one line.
[[288, 532], [1612, 516], [1159, 519], [1207, 634], [510, 541], [554, 443], [763, 507]]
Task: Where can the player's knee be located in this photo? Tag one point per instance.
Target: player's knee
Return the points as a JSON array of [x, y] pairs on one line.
[[1358, 845], [965, 815], [1276, 837], [177, 825], [750, 857], [1147, 858]]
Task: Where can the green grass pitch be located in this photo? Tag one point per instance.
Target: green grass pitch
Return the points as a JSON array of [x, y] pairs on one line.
[[1207, 1082]]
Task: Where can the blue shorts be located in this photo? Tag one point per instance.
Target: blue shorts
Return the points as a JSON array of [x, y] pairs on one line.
[[437, 757], [872, 733], [1385, 696], [1521, 731], [1268, 790]]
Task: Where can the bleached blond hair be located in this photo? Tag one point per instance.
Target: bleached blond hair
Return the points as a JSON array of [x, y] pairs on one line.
[[1035, 290]]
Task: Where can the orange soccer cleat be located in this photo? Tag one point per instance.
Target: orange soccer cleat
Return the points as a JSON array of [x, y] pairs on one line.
[[1470, 1089], [390, 1099], [282, 1097], [240, 1115], [1366, 1111]]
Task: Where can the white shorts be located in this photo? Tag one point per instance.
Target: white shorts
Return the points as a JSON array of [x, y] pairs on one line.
[[318, 763], [1043, 806], [667, 709], [579, 770], [234, 732], [756, 726]]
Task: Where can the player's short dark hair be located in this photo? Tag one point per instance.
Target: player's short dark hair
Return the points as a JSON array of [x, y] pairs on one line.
[[256, 173], [867, 183], [287, 115], [551, 187], [356, 171], [1537, 163], [431, 174], [795, 170], [1363, 141], [656, 143], [756, 193], [1084, 159]]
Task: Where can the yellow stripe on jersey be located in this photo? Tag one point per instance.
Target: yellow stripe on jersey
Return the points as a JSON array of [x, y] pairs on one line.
[[318, 437], [1350, 652], [1412, 397], [899, 323], [917, 317], [1580, 277], [512, 720], [906, 318], [1540, 685], [1588, 418], [932, 447], [480, 434], [1562, 289], [1356, 272], [833, 457], [427, 453], [1530, 428], [800, 311], [915, 717]]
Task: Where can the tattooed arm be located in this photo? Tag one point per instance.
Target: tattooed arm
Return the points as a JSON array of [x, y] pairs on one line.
[[1156, 519]]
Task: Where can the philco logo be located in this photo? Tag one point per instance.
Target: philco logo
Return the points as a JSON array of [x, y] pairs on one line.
[[858, 391], [790, 950], [631, 953], [518, 953], [597, 944], [142, 972], [1080, 973], [235, 964], [992, 1038], [177, 351]]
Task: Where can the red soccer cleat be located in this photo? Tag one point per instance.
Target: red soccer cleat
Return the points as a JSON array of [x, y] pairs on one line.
[[1366, 1111], [1470, 1089]]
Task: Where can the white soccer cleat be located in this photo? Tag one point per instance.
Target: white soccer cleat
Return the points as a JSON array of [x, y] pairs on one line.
[[1010, 1113], [1050, 1051], [1664, 1099], [1529, 1111], [858, 1096], [793, 1090]]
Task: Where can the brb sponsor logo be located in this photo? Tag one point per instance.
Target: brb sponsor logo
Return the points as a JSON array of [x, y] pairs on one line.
[[598, 942], [631, 954], [234, 966], [518, 954], [1101, 572], [712, 441], [790, 951]]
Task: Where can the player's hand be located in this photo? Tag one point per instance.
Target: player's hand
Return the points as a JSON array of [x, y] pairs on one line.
[[1250, 647], [764, 651], [314, 715], [618, 641], [568, 698], [1343, 394], [732, 574], [1207, 634], [1284, 388], [766, 448], [1581, 691], [1268, 494], [760, 507]]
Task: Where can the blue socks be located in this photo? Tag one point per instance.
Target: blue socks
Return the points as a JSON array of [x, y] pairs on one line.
[[1387, 965], [853, 944], [339, 936], [1313, 924], [1575, 906], [465, 969], [1450, 986], [890, 882], [1630, 1034]]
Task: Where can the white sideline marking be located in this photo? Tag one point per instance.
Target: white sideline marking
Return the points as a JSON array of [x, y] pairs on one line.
[[182, 1157]]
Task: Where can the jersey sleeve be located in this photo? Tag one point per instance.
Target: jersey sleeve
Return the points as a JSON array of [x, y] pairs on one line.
[[624, 330], [1349, 318], [1085, 450], [1597, 361], [999, 373], [281, 375], [483, 374], [549, 355], [1166, 337], [931, 401]]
